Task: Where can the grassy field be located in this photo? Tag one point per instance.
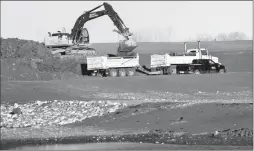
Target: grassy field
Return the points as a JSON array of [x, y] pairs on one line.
[[165, 47]]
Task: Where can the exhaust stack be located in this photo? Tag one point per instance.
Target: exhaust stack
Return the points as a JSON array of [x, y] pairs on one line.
[[185, 47], [199, 51]]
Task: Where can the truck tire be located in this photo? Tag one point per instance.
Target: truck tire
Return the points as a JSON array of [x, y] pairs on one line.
[[173, 70], [170, 71], [222, 71], [122, 72], [167, 70], [197, 71], [99, 74], [112, 73], [164, 70], [131, 72]]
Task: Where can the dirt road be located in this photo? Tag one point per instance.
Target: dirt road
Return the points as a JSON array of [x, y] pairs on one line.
[[191, 104], [88, 88]]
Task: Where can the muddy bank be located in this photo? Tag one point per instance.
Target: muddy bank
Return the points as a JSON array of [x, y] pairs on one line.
[[132, 146], [200, 124], [177, 117], [234, 137]]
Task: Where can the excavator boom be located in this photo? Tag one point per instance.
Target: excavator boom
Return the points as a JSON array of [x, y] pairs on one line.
[[118, 22], [76, 32]]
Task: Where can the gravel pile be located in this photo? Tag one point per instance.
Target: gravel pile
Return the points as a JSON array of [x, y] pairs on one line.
[[197, 97], [55, 113]]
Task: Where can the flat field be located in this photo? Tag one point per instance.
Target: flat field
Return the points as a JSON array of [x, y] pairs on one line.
[[173, 109]]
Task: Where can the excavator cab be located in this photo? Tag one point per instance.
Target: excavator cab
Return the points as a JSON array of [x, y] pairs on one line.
[[84, 37]]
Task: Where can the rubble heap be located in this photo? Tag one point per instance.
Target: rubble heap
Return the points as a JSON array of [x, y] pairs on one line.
[[55, 113]]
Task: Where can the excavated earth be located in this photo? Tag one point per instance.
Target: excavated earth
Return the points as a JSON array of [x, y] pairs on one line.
[[29, 61], [63, 110]]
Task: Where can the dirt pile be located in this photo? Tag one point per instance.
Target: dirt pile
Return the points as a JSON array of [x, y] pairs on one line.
[[30, 60], [17, 48]]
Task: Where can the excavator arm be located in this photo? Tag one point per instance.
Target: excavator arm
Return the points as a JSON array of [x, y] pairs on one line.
[[77, 31]]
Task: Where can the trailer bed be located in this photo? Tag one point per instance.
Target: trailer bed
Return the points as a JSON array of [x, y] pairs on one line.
[[144, 71], [104, 62], [154, 60]]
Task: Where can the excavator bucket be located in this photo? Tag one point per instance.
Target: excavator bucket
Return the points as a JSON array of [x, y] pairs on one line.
[[127, 45]]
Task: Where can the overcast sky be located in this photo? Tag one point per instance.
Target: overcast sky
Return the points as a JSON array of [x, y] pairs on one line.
[[33, 19]]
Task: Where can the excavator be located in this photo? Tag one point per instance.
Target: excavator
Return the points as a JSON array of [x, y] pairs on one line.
[[78, 39]]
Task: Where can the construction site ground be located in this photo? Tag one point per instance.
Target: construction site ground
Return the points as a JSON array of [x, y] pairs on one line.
[[168, 112]]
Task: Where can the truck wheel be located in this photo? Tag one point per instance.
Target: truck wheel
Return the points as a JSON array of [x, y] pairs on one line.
[[112, 73], [173, 69], [167, 70], [121, 72], [100, 74], [197, 71], [170, 70], [222, 71], [164, 70], [93, 74], [130, 72]]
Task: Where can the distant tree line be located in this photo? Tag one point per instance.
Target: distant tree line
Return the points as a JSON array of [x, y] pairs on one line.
[[223, 37], [165, 35], [153, 35]]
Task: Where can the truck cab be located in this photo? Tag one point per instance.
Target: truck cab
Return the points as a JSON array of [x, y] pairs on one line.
[[202, 53], [201, 66]]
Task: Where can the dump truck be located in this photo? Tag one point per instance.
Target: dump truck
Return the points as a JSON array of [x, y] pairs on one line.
[[112, 66], [156, 64]]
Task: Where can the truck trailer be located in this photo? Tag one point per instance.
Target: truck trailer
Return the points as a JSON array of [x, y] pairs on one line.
[[112, 66], [127, 66]]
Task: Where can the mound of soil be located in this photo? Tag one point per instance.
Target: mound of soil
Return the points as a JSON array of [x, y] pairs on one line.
[[30, 60], [17, 48]]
